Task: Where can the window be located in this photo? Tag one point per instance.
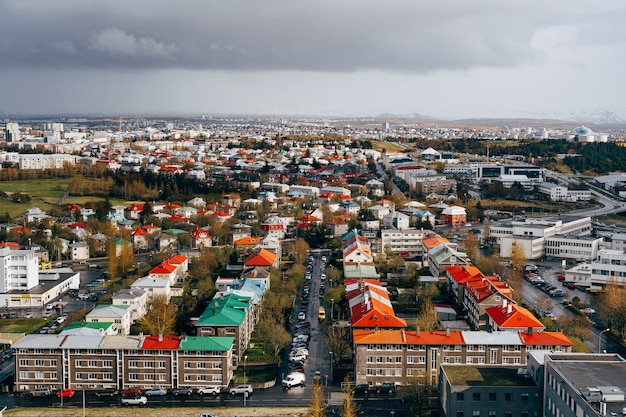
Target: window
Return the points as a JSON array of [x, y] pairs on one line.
[[460, 396], [39, 362], [133, 377], [93, 364], [508, 413], [459, 414], [201, 365], [492, 396], [201, 377], [217, 365], [476, 396], [476, 413], [187, 378], [492, 413], [525, 397], [508, 396]]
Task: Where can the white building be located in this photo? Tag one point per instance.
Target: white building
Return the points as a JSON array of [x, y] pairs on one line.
[[396, 220], [554, 191], [609, 267], [47, 161], [134, 298], [18, 270], [403, 241], [572, 247], [79, 251], [119, 315]]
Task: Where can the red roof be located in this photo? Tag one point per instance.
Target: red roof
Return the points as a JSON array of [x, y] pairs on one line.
[[545, 339], [452, 337], [167, 343], [261, 258], [163, 268], [512, 316]]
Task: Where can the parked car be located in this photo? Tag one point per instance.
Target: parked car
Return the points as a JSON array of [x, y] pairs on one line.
[[209, 389], [66, 392], [241, 389], [132, 391], [387, 388], [107, 392], [560, 277], [299, 357], [301, 316], [361, 389], [588, 310], [136, 400], [156, 391], [41, 392], [556, 293], [28, 315], [183, 391]]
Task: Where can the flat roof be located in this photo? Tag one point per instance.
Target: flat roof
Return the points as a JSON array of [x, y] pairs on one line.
[[477, 376]]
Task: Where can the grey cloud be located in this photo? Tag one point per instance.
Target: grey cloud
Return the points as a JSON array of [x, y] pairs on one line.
[[411, 36]]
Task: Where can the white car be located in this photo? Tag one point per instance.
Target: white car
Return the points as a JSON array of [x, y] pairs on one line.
[[298, 357], [301, 316], [136, 400], [241, 389], [209, 389], [588, 310]]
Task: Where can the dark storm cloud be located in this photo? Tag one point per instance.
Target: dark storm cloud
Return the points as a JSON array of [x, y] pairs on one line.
[[248, 35]]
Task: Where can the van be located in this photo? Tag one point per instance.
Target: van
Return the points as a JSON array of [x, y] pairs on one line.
[[321, 313], [294, 379]]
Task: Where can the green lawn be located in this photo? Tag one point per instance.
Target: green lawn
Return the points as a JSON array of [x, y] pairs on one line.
[[44, 193], [22, 325]]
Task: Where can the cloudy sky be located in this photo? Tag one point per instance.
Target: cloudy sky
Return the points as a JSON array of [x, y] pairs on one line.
[[442, 58]]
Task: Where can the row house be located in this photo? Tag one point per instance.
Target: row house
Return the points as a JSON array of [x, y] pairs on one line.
[[403, 357], [245, 246], [457, 276], [370, 306], [356, 248], [511, 317], [228, 315], [481, 292], [101, 361]]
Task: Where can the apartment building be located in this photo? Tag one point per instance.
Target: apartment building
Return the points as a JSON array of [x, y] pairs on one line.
[[98, 361], [400, 356], [567, 247], [407, 242], [609, 267]]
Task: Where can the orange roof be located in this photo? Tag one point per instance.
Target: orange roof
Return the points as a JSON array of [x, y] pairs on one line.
[[512, 316], [176, 260], [460, 273], [168, 343], [452, 337], [248, 241], [261, 258], [433, 241]]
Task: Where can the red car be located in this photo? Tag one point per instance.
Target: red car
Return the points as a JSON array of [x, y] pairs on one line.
[[131, 391], [560, 277], [66, 392]]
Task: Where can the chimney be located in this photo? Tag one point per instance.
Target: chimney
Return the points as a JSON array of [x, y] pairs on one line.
[[509, 308], [530, 329], [160, 337], [417, 331], [504, 303], [447, 331]]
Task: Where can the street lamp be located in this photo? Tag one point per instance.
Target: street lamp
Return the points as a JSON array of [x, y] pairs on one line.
[[245, 393], [331, 367], [332, 305], [600, 340]]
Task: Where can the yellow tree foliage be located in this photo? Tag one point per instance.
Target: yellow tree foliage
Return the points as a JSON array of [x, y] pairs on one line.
[[350, 408], [317, 405], [160, 317]]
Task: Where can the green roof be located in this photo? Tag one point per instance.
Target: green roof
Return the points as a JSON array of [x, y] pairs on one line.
[[229, 310], [90, 325], [175, 231], [214, 343], [120, 306]]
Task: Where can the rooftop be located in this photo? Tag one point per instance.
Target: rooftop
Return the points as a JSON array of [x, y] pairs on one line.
[[483, 376]]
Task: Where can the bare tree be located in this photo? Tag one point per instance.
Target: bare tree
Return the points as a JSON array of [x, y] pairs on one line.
[[337, 342], [428, 318], [300, 251]]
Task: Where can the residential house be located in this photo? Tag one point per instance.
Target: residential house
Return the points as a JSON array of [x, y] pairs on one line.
[[120, 315], [133, 297]]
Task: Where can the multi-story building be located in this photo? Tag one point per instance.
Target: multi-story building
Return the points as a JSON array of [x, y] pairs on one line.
[[228, 316], [577, 384], [475, 391], [568, 247], [97, 361], [609, 267], [400, 356], [407, 242]]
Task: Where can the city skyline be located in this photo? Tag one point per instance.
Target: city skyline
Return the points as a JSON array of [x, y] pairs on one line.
[[443, 59]]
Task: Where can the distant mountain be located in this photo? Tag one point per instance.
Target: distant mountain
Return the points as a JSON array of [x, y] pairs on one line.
[[597, 117]]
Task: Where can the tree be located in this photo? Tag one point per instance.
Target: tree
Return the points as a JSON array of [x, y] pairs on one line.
[[337, 341], [612, 306], [428, 318], [350, 408], [317, 405], [160, 317], [273, 335], [300, 251]]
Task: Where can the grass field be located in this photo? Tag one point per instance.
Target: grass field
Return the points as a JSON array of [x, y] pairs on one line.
[[21, 325], [44, 193]]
